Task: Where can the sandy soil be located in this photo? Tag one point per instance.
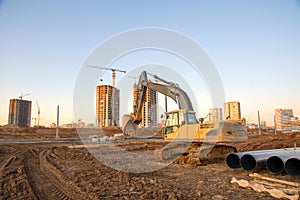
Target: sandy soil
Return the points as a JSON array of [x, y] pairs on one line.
[[51, 170]]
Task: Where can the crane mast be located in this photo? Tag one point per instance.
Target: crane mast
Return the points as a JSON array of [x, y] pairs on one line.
[[39, 112]]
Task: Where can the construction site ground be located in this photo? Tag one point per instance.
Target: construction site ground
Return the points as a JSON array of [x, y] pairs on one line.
[[47, 169]]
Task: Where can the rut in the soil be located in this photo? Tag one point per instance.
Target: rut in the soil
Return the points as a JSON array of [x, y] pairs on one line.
[[46, 182], [4, 165]]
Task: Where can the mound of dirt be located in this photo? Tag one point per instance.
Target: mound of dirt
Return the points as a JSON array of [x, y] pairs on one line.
[[10, 126], [264, 142]]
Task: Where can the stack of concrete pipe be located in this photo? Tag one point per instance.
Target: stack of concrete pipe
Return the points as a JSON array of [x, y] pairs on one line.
[[275, 160]]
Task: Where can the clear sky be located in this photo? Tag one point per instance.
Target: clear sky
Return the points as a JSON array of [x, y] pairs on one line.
[[254, 44]]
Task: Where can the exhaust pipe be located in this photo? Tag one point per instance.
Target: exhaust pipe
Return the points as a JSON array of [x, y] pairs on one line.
[[292, 167]]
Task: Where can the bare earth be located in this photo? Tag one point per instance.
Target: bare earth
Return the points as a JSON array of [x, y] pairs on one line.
[[50, 170]]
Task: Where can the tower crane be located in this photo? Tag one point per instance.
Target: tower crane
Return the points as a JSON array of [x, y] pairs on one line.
[[38, 117], [23, 95], [39, 112], [113, 71], [34, 118]]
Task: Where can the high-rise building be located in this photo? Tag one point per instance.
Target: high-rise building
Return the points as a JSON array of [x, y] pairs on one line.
[[107, 105], [19, 112], [215, 114], [263, 125], [149, 116], [283, 117], [232, 110]]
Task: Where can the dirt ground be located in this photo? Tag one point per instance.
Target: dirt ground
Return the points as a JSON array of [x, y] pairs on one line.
[[50, 170]]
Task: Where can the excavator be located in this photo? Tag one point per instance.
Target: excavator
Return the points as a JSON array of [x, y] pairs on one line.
[[189, 137]]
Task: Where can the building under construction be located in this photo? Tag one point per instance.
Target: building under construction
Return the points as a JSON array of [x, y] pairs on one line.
[[107, 105], [149, 117], [232, 110], [19, 112]]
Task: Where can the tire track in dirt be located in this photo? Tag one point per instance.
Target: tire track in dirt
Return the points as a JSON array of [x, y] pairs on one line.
[[38, 182], [13, 181], [46, 181], [4, 165], [72, 190]]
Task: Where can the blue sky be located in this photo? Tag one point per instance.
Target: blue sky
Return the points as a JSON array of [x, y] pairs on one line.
[[254, 44]]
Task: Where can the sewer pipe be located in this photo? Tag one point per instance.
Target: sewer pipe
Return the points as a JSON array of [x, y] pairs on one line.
[[276, 163], [256, 161], [292, 167]]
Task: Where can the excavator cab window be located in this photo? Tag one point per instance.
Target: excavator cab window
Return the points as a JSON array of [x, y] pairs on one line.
[[172, 120], [191, 118], [181, 119]]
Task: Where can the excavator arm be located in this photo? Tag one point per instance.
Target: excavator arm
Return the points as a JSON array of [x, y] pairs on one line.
[[169, 89]]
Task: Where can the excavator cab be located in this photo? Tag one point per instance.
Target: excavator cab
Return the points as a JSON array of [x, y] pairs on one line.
[[176, 120], [183, 125]]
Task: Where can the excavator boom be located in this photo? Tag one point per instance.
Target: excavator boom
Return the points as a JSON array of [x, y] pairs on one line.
[[169, 89]]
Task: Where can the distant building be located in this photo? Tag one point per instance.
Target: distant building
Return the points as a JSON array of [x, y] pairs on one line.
[[80, 124], [149, 116], [69, 125], [90, 125], [53, 125], [19, 112], [107, 105], [263, 125], [270, 129], [282, 118], [252, 126], [295, 126], [232, 110], [294, 119], [215, 114]]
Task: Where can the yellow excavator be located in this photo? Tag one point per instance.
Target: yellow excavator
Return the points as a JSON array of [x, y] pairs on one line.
[[189, 136]]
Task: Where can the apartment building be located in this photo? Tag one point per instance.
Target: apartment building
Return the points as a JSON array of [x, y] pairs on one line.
[[107, 105]]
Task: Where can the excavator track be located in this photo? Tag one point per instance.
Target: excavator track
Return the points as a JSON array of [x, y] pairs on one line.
[[195, 153]]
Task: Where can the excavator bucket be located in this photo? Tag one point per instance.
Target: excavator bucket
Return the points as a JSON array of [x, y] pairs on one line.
[[128, 127]]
